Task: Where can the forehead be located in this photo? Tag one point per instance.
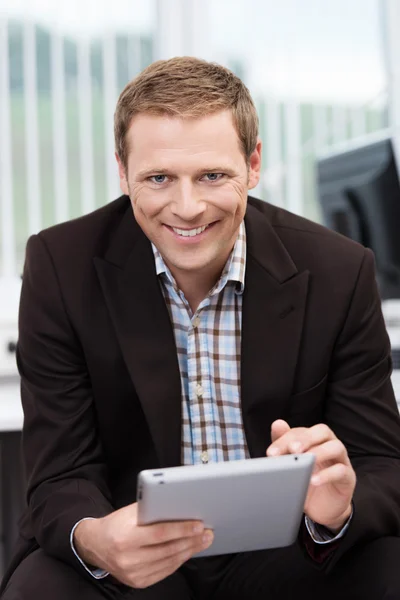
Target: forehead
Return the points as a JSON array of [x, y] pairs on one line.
[[162, 138]]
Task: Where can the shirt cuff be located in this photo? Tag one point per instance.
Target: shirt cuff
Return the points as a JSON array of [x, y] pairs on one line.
[[94, 571], [322, 535]]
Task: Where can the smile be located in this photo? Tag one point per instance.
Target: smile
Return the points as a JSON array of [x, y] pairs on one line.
[[189, 232]]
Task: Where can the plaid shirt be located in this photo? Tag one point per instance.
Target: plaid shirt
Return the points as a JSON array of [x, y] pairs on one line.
[[208, 346]]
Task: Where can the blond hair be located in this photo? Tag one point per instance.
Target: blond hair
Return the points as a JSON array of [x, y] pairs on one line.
[[186, 87]]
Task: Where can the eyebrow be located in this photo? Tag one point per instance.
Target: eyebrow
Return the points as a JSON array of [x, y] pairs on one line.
[[214, 169]]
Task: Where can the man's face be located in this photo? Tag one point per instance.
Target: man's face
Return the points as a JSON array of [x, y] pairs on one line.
[[188, 181]]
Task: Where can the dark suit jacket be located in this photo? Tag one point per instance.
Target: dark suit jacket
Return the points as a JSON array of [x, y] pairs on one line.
[[100, 378]]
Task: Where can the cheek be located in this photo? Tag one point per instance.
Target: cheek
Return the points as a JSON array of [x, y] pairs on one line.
[[146, 202], [232, 198]]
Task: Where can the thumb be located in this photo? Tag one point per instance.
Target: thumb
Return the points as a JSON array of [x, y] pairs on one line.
[[278, 429]]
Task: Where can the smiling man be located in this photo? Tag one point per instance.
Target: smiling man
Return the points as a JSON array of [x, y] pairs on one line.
[[187, 323]]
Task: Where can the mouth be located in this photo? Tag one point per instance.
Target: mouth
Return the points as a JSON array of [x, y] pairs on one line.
[[190, 234]]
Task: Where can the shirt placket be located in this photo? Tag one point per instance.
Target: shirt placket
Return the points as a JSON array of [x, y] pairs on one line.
[[200, 406]]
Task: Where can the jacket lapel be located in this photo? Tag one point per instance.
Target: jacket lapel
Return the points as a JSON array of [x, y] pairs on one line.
[[131, 289], [273, 312]]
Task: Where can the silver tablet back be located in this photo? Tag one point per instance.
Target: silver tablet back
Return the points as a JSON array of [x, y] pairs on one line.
[[250, 504]]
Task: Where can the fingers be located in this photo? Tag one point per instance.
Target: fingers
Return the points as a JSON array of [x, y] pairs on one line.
[[329, 455], [300, 439], [139, 555], [278, 429], [160, 533], [337, 474], [154, 563], [178, 547], [330, 452]]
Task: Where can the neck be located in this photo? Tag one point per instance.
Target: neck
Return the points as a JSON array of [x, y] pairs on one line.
[[195, 285]]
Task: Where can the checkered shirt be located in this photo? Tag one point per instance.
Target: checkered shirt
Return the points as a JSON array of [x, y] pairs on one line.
[[208, 345]]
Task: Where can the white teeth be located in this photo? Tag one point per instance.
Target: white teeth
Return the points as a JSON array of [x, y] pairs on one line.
[[189, 232]]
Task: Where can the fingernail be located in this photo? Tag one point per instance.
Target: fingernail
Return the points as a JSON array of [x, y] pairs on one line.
[[273, 451], [207, 538]]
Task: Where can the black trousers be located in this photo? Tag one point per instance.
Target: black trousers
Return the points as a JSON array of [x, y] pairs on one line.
[[371, 572]]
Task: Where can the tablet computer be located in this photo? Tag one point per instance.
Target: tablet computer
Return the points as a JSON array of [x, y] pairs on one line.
[[250, 504]]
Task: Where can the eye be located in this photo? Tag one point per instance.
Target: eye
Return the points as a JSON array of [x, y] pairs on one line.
[[213, 176], [158, 178]]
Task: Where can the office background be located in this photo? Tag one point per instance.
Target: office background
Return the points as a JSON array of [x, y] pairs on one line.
[[319, 72]]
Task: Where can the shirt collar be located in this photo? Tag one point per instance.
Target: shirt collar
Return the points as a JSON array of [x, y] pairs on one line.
[[234, 270]]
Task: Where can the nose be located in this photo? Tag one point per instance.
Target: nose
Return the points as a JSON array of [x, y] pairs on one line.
[[187, 204]]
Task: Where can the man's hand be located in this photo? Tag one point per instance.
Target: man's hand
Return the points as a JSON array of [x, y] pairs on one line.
[[332, 485], [138, 556]]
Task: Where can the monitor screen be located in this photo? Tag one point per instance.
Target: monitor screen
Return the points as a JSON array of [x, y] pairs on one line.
[[359, 192]]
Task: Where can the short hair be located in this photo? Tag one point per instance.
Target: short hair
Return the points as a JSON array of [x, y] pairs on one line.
[[186, 87]]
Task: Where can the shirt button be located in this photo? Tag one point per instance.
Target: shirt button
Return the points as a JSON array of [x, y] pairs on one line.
[[196, 322], [199, 390], [204, 457]]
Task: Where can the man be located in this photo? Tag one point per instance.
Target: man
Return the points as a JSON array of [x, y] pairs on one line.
[[185, 323]]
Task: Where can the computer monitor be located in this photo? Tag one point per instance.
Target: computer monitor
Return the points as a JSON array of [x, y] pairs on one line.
[[359, 192]]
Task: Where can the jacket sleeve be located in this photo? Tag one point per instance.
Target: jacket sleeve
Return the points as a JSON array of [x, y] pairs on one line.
[[65, 467], [361, 410]]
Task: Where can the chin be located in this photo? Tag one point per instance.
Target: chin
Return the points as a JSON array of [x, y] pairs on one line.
[[197, 261], [190, 267]]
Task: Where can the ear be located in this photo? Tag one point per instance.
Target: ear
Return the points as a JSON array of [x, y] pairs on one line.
[[123, 182], [255, 166]]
